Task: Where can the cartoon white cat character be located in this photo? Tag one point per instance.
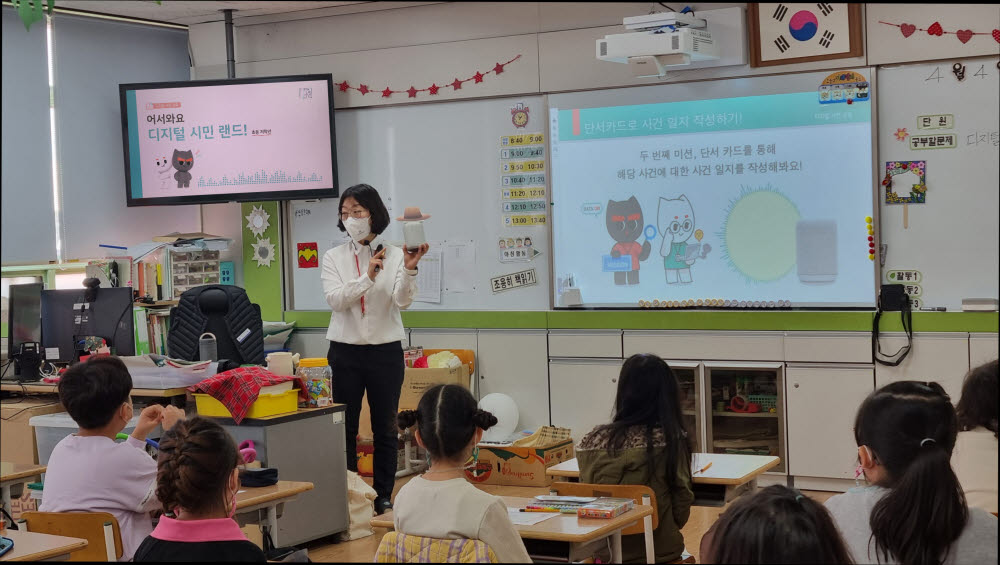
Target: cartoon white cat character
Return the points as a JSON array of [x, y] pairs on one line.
[[675, 221]]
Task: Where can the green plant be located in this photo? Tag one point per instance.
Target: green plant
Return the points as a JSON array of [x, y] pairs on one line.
[[32, 11]]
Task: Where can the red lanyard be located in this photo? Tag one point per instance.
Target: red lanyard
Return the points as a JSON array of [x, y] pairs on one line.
[[358, 265]]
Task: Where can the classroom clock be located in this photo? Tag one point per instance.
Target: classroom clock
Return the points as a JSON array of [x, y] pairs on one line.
[[519, 115], [796, 33]]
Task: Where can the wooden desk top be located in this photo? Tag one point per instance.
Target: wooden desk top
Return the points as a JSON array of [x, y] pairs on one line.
[[14, 471], [260, 495], [30, 546], [726, 469], [53, 389], [565, 527]]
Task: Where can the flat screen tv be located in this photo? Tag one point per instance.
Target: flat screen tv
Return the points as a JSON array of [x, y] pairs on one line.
[[208, 141]]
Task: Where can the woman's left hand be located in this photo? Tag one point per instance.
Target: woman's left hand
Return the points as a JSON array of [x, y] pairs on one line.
[[413, 257]]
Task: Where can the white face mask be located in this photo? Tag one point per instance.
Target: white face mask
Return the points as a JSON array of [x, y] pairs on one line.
[[358, 228]]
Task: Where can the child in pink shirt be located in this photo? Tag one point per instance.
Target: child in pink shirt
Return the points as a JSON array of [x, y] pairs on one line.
[[90, 472]]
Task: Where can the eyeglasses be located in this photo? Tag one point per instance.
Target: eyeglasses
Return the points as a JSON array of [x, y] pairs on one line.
[[359, 213]]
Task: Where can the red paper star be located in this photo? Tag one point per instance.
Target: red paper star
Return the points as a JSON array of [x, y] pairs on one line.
[[478, 76], [498, 69], [363, 89], [343, 86], [412, 92], [433, 89], [457, 84], [386, 93]]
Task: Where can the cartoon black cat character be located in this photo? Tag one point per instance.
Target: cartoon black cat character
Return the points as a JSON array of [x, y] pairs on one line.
[[183, 161], [625, 225]]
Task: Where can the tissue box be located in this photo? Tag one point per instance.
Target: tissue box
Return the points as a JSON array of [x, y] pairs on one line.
[[518, 466]]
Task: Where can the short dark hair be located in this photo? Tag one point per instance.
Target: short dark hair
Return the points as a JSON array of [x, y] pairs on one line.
[[978, 406], [369, 199], [447, 418], [775, 525], [93, 390], [194, 462]]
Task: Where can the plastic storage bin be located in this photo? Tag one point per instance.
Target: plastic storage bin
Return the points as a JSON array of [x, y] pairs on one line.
[[265, 405], [50, 429]]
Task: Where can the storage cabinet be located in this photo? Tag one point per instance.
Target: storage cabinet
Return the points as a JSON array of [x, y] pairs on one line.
[[941, 357], [822, 402], [982, 348], [747, 406], [583, 392], [515, 362], [689, 383]]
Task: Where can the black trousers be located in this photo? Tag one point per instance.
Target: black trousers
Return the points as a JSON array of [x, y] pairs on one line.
[[377, 369]]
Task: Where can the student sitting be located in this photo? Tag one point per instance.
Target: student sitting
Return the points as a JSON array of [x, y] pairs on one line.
[[88, 471], [441, 503], [915, 513], [645, 444], [198, 481], [975, 457], [776, 525]]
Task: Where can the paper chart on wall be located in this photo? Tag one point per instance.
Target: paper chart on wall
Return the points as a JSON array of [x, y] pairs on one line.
[[429, 278], [459, 266]]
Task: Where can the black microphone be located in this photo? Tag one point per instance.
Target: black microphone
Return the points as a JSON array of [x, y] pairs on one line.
[[377, 250]]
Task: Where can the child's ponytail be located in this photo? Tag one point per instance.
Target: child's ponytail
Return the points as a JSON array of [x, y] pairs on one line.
[[910, 428]]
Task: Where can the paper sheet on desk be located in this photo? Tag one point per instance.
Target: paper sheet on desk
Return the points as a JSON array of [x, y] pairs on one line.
[[519, 518], [459, 266], [429, 277]]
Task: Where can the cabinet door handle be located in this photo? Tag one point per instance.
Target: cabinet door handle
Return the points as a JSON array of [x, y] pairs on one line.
[[614, 380], [482, 377], [796, 385]]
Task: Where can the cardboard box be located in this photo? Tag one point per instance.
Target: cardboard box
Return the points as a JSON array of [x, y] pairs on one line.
[[415, 383], [17, 437], [518, 466]]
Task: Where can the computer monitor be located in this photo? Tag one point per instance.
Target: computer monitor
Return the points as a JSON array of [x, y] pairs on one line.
[[67, 319], [24, 321]]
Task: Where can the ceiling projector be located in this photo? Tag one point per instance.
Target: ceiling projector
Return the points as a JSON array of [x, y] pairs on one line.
[[659, 42]]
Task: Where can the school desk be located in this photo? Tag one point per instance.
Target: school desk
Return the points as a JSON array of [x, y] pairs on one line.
[[31, 546], [16, 474], [578, 533], [728, 477], [47, 388], [305, 445], [252, 501]]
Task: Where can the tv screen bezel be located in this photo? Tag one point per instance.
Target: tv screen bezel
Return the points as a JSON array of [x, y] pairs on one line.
[[332, 192]]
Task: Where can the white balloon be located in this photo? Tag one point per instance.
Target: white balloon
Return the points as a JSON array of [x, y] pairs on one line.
[[505, 410]]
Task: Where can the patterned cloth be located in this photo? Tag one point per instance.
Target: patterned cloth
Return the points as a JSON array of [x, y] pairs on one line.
[[401, 548], [238, 388]]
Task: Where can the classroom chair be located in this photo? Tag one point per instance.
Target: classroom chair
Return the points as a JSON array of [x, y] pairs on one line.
[[100, 529], [401, 548], [641, 494]]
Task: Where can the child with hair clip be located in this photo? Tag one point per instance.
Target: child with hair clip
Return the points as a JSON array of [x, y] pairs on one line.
[[441, 503], [645, 444], [915, 513], [975, 457], [775, 525], [197, 481]]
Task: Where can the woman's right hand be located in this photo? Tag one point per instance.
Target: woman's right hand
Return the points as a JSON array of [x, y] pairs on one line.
[[376, 261]]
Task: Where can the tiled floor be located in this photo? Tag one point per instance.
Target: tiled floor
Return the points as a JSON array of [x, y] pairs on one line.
[[363, 550]]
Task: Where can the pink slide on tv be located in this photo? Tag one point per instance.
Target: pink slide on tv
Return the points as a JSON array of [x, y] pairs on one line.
[[199, 142]]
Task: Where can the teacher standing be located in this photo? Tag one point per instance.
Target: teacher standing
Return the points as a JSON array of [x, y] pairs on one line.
[[366, 288]]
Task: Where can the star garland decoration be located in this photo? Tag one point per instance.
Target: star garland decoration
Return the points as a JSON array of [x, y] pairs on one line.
[[433, 89], [963, 35]]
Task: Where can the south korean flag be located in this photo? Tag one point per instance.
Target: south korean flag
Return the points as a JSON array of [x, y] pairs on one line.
[[803, 30]]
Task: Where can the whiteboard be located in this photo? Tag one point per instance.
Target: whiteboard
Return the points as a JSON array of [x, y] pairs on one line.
[[752, 191], [446, 159], [952, 237]]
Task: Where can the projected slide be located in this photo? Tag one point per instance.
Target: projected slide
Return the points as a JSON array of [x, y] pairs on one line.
[[211, 140], [759, 199]]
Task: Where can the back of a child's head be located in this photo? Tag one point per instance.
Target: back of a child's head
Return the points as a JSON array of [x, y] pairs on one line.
[[978, 406], [196, 459], [910, 428], [92, 391], [775, 525], [447, 418]]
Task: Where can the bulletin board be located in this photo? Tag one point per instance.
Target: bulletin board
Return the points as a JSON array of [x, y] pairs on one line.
[[942, 132], [478, 168]]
